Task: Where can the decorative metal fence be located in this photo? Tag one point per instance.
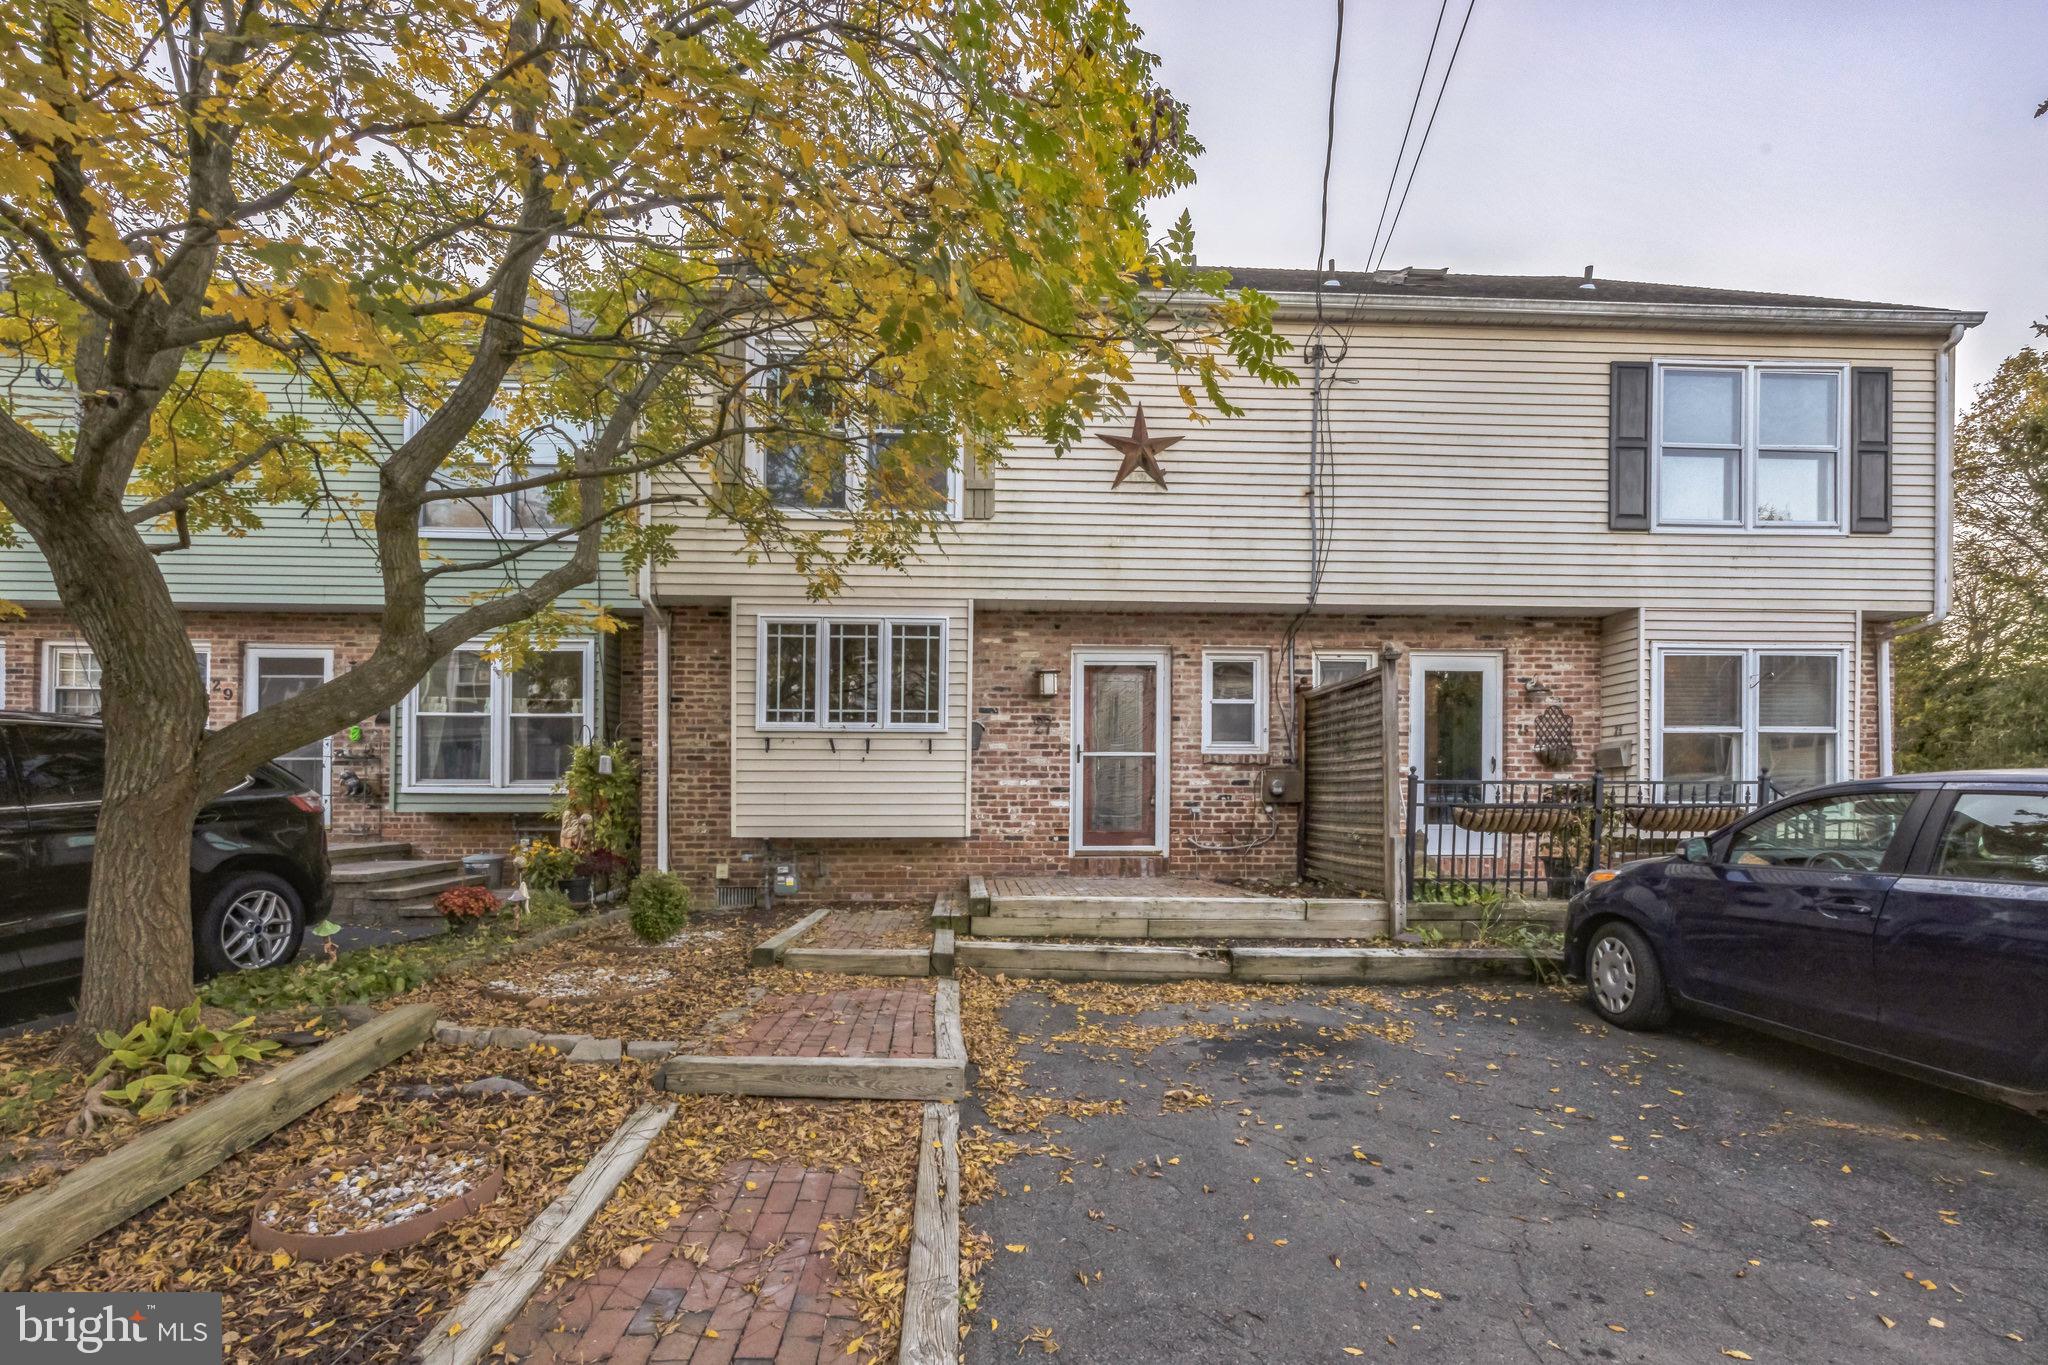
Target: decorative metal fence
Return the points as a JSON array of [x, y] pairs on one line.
[[1538, 839]]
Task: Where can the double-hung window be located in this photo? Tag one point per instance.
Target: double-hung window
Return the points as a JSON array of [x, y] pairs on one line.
[[71, 677], [847, 673], [493, 511], [812, 460], [1748, 446], [1727, 715], [1234, 701], [473, 724]]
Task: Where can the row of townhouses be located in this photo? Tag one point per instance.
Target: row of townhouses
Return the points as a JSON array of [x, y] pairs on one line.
[[1586, 527]]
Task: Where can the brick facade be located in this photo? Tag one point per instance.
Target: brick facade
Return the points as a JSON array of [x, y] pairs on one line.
[[352, 636], [1020, 772]]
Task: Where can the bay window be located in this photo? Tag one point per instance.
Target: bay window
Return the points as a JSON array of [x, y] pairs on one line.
[[473, 724], [848, 673], [1748, 446], [1234, 701], [1728, 715]]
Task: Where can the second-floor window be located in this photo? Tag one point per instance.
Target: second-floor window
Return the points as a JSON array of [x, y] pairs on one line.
[[845, 673], [1749, 446], [825, 466], [498, 512]]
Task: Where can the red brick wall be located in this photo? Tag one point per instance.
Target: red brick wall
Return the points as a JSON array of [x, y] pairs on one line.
[[352, 636], [1020, 772], [1869, 737]]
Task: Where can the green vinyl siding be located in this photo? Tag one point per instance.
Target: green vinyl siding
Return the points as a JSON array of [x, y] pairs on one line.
[[323, 558]]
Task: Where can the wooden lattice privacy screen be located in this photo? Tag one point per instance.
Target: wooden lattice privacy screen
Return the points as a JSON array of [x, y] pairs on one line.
[[1347, 751]]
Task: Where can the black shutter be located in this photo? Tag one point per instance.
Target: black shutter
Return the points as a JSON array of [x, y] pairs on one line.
[[1870, 450], [1628, 446]]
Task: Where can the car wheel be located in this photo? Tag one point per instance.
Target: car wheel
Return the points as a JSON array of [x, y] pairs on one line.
[[254, 920], [1624, 985]]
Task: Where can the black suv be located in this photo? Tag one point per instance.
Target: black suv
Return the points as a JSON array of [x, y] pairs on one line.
[[259, 857]]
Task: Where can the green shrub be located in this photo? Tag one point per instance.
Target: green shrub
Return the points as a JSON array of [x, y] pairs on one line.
[[660, 906], [169, 1054]]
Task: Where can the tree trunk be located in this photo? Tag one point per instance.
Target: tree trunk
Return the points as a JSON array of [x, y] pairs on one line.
[[138, 924]]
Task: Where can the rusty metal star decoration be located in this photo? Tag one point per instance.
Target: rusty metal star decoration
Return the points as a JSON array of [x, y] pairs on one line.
[[1141, 450]]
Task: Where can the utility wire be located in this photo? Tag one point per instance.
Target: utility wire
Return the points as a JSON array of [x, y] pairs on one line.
[[1423, 146], [1394, 172], [1329, 156]]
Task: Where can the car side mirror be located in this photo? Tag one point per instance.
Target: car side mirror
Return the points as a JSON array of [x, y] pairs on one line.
[[1696, 851]]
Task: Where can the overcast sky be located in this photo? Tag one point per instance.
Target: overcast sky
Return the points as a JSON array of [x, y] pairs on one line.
[[1874, 150]]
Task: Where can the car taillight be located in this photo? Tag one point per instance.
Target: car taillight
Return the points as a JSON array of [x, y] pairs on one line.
[[305, 801]]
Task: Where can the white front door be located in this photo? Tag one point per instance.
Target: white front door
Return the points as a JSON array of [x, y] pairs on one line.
[[277, 673], [1119, 777], [1454, 715]]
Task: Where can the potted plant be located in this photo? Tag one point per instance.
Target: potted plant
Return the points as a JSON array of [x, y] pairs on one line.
[[544, 866], [466, 906], [599, 812]]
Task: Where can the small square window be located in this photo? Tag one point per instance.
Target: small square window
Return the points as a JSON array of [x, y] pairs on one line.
[[1234, 702]]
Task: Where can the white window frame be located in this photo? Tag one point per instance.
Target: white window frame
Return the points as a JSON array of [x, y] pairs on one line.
[[1261, 663], [884, 721], [501, 503], [859, 452], [1341, 656], [499, 716], [202, 654], [1749, 744], [1748, 456]]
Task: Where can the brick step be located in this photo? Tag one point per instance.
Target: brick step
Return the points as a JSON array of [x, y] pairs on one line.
[[371, 850], [374, 872]]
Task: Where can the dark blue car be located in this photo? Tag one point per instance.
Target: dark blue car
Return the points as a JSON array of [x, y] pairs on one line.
[[1901, 922]]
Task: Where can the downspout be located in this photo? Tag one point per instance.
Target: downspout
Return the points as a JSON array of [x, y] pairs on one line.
[[662, 625], [1944, 538]]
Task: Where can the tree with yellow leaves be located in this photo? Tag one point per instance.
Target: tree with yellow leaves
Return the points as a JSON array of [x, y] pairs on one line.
[[657, 229]]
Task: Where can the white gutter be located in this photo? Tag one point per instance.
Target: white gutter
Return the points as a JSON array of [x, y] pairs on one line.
[[1944, 482], [662, 626]]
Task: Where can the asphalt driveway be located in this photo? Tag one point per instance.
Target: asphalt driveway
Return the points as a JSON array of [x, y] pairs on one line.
[[1515, 1181]]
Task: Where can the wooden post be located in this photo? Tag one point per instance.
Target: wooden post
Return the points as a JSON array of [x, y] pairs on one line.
[[1396, 891], [41, 1228]]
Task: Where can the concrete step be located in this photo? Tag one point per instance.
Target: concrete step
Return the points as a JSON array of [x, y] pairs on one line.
[[423, 889], [1362, 923], [368, 851], [376, 871], [1147, 907]]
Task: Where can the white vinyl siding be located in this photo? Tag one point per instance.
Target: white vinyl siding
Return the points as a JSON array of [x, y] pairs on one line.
[[1471, 475], [810, 782]]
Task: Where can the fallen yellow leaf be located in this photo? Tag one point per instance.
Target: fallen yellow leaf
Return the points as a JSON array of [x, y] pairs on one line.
[[280, 1259], [1353, 1351], [1018, 1247], [1733, 1354]]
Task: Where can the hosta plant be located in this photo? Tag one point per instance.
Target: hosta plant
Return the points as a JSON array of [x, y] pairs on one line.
[[161, 1058]]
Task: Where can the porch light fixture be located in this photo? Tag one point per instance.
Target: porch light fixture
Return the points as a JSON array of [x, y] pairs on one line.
[[1045, 682]]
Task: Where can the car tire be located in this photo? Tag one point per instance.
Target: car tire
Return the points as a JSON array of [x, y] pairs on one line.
[[253, 919], [1624, 984]]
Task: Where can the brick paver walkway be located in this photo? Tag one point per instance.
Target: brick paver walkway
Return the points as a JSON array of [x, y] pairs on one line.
[[746, 1277], [872, 929], [879, 1022]]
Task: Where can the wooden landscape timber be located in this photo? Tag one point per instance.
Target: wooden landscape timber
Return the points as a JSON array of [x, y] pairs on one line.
[[1158, 962], [768, 952], [941, 1077], [42, 1227], [931, 1293], [860, 961], [469, 1330]]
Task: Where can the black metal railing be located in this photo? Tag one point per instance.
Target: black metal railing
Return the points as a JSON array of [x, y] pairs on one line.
[[1539, 838]]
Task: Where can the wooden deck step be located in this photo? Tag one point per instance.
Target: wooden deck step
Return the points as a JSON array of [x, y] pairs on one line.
[[421, 889]]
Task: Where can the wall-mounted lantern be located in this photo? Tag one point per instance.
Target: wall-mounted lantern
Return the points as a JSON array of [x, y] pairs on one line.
[[1045, 682]]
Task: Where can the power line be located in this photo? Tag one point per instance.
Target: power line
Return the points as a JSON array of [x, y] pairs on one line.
[[1394, 173], [1423, 146], [1329, 154]]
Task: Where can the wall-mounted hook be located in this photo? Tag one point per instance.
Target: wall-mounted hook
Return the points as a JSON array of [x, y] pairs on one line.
[[767, 743], [867, 746], [833, 743]]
